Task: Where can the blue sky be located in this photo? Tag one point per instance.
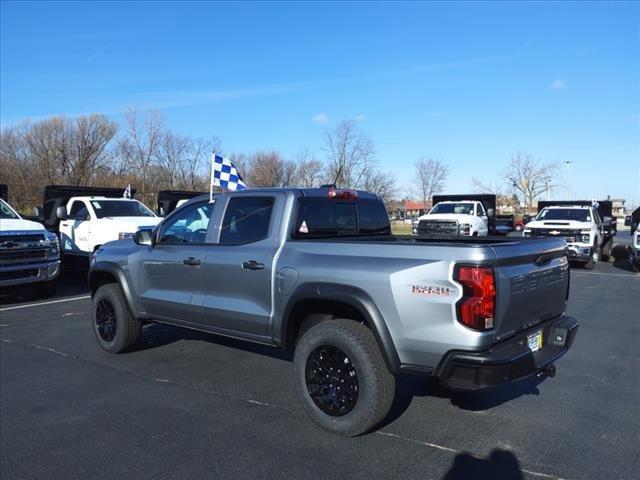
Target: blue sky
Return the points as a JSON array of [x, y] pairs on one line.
[[470, 83]]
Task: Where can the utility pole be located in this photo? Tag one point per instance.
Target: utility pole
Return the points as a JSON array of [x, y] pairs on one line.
[[567, 185]]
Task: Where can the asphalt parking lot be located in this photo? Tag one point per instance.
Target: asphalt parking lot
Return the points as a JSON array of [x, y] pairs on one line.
[[190, 405]]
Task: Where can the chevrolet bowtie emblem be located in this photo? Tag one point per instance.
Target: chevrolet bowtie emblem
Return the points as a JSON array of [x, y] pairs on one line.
[[554, 232]]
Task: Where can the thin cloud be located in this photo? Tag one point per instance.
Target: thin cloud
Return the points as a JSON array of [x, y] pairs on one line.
[[320, 118], [161, 100], [361, 117], [95, 54], [559, 84]]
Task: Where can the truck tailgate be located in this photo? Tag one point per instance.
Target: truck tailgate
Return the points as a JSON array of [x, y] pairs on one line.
[[532, 282]]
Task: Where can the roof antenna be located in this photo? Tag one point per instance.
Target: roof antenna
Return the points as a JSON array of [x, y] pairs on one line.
[[333, 185]]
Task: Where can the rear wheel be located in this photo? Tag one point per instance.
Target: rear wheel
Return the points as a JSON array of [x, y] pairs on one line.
[[114, 325], [341, 378]]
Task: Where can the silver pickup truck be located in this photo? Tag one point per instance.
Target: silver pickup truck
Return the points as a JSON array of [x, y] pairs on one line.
[[318, 272]]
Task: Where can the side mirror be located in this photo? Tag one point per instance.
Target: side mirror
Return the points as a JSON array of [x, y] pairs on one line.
[[627, 221], [61, 213], [490, 212], [144, 237], [607, 219]]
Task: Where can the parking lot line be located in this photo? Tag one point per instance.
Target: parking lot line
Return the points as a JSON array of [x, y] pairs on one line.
[[605, 274], [45, 303]]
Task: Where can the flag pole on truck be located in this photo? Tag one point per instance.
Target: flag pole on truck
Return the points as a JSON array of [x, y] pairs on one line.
[[224, 174]]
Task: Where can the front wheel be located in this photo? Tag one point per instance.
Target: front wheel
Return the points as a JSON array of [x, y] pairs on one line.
[[114, 325], [341, 378]]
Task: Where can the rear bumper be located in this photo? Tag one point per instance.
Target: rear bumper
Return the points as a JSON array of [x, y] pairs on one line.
[[507, 361]]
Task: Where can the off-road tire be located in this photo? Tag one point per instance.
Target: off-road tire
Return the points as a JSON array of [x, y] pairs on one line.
[[128, 329], [376, 385]]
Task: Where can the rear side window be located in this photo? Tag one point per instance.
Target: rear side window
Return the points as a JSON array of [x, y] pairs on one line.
[[246, 220], [319, 217]]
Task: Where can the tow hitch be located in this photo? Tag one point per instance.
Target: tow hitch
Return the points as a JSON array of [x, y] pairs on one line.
[[548, 371]]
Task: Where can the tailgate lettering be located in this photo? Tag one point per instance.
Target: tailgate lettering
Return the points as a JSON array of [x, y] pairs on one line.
[[539, 279]]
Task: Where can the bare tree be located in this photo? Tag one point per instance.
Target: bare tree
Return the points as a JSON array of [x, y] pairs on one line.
[[479, 186], [92, 134], [529, 176], [431, 175], [382, 183], [17, 168], [172, 153], [195, 169], [309, 171], [139, 147], [50, 143], [350, 155], [269, 169]]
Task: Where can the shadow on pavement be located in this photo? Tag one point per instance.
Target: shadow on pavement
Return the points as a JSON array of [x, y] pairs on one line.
[[71, 282], [500, 464], [620, 253], [410, 386], [158, 334]]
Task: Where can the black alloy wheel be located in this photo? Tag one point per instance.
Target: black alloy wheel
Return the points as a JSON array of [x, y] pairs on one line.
[[332, 380], [106, 320]]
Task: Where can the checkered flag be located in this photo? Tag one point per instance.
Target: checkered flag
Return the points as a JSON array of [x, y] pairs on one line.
[[225, 175]]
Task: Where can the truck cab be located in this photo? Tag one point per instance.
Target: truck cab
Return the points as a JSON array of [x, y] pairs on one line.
[[88, 222], [466, 218]]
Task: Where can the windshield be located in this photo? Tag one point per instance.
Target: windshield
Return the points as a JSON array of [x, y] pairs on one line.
[[120, 208], [6, 212], [461, 208], [577, 214]]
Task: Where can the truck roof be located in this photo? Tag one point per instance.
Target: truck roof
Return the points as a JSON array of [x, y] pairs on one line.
[[575, 207], [306, 192]]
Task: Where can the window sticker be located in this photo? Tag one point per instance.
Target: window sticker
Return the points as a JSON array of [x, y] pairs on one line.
[[303, 228], [96, 205]]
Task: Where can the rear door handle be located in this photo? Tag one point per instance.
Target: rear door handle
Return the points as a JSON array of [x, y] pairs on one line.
[[194, 262], [253, 265]]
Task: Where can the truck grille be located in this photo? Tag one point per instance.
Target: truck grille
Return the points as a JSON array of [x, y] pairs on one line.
[[19, 274], [9, 257], [437, 227], [22, 248], [569, 235]]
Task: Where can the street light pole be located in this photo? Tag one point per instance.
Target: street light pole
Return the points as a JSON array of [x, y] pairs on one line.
[[567, 188]]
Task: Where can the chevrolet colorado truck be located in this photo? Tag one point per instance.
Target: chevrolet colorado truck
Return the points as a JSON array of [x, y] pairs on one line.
[[29, 254], [589, 235], [317, 272], [459, 215]]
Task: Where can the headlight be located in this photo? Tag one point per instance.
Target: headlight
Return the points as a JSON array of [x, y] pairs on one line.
[[53, 243], [464, 229], [125, 235]]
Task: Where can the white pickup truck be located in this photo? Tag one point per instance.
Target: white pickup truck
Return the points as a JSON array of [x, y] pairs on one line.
[[589, 235], [452, 218], [29, 254], [86, 223]]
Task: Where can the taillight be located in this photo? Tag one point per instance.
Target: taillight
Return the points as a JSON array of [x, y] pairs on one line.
[[476, 308], [339, 194]]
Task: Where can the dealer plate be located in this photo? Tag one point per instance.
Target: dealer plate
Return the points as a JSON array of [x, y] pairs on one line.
[[535, 341]]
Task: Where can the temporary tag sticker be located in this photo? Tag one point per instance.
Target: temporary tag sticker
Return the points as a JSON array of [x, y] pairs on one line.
[[303, 228]]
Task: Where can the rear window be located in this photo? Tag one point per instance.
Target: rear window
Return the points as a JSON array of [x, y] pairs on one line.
[[320, 217]]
